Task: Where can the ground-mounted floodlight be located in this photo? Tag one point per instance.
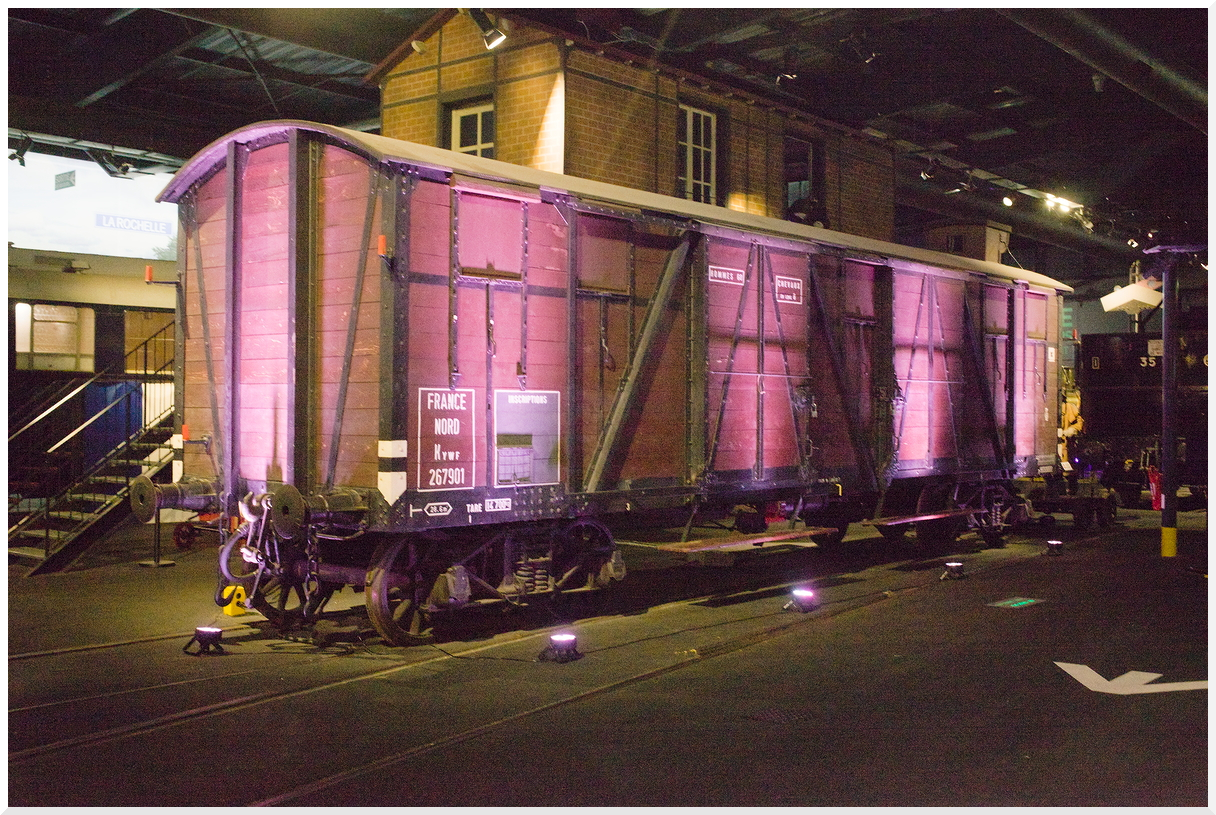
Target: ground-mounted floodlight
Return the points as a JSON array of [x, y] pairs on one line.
[[1055, 547], [561, 648], [954, 571], [208, 639], [802, 599]]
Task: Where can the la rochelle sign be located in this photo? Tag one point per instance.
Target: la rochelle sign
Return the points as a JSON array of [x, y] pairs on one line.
[[145, 225]]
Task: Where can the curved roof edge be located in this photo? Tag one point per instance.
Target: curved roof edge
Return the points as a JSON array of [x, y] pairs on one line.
[[383, 148]]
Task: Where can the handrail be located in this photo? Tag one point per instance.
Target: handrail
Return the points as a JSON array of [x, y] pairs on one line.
[[101, 464], [158, 336], [57, 405], [123, 398], [52, 392]]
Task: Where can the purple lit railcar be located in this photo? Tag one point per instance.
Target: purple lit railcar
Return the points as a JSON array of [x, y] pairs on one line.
[[452, 379]]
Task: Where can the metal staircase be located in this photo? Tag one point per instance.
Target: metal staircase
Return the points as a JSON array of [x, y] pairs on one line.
[[69, 492]]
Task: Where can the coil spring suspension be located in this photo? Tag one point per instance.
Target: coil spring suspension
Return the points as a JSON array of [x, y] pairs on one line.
[[533, 575]]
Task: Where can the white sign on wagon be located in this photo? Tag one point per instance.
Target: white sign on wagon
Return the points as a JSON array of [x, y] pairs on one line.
[[447, 454], [721, 274], [789, 290]]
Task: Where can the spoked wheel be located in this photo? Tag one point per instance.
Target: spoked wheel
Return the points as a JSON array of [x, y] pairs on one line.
[[280, 595], [284, 600], [397, 591]]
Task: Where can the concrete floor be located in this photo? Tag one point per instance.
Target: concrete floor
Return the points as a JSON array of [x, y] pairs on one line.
[[696, 688]]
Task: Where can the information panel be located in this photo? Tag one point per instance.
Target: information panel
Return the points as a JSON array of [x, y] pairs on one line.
[[527, 436], [447, 455]]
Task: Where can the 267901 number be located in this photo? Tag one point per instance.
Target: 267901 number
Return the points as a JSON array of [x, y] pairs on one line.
[[446, 477]]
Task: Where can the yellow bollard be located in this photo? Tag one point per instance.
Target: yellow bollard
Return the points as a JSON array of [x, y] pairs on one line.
[[1169, 541], [235, 607]]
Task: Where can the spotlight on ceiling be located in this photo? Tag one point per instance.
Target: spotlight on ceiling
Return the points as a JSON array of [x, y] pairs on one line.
[[208, 639], [1055, 547], [1132, 298], [23, 147], [561, 648], [802, 599], [108, 162], [1007, 201], [1055, 202], [491, 34], [954, 571]]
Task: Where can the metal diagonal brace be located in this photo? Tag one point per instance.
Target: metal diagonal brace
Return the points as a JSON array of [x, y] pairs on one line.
[[625, 402]]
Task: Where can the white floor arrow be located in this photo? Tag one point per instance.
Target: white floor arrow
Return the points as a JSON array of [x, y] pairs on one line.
[[1129, 683]]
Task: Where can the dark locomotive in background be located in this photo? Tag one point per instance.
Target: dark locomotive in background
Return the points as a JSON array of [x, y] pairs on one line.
[[448, 379], [1120, 380]]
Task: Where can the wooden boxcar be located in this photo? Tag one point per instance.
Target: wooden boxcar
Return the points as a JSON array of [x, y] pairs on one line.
[[454, 379]]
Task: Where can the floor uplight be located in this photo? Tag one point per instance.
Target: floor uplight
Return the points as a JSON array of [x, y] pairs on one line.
[[561, 648], [954, 571], [802, 599], [208, 639]]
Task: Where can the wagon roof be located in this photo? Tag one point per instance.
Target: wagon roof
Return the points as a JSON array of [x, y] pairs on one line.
[[383, 148]]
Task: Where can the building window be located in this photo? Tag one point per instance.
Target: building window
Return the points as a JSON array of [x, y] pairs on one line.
[[804, 182], [472, 130], [697, 137], [53, 338]]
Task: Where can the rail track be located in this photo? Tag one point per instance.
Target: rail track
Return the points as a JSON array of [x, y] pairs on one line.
[[679, 635]]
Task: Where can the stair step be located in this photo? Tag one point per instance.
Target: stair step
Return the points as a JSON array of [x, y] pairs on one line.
[[107, 479], [52, 534], [27, 552], [69, 515], [92, 497]]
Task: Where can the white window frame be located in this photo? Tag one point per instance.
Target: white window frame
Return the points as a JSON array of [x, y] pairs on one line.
[[699, 155], [32, 355], [483, 146]]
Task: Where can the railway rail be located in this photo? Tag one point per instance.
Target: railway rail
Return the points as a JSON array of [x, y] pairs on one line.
[[676, 636]]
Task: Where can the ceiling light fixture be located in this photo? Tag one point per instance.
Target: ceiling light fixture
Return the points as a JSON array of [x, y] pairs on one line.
[[491, 34], [108, 162], [1055, 202]]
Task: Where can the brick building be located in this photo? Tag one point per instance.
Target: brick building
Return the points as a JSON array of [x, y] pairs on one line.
[[543, 101]]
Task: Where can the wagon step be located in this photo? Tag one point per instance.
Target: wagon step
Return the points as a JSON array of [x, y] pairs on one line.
[[928, 516], [723, 543]]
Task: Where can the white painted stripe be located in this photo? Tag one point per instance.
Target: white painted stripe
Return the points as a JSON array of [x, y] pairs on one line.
[[394, 448]]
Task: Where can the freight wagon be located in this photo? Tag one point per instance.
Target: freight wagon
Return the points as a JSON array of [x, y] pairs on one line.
[[450, 380]]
